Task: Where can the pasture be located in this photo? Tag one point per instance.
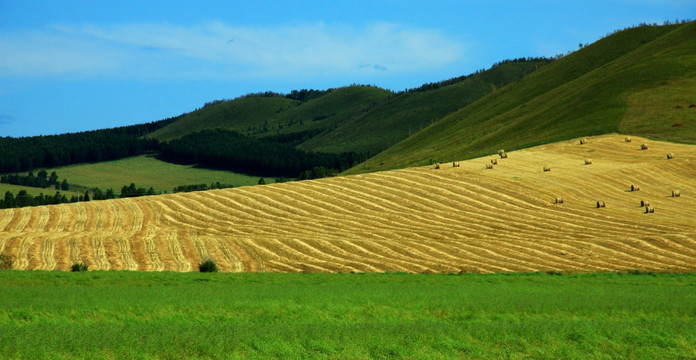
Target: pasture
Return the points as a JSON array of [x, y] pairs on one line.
[[447, 220], [146, 315], [146, 171]]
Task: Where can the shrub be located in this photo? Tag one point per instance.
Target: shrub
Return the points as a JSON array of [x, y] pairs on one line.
[[78, 266], [208, 265], [5, 262]]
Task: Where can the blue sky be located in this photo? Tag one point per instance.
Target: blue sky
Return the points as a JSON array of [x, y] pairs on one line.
[[69, 66]]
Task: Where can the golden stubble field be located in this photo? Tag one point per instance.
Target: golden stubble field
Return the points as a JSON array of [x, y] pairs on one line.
[[467, 218]]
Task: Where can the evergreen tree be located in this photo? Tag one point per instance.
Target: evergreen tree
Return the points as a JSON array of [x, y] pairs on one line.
[[53, 180]]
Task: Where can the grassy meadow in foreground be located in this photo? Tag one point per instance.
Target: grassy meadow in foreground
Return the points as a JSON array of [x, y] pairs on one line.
[[54, 315]]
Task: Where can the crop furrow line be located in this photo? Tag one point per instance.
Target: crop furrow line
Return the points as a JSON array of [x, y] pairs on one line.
[[98, 252], [48, 247], [7, 216], [174, 245]]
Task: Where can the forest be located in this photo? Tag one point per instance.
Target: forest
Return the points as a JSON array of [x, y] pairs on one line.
[[229, 150], [28, 153]]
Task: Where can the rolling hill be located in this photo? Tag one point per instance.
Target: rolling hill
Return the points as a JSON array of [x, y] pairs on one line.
[[452, 219], [603, 88], [363, 119], [261, 116]]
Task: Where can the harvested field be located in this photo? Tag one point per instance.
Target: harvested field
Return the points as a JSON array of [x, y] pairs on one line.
[[455, 219]]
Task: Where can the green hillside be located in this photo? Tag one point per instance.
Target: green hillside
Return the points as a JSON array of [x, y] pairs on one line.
[[362, 119], [236, 114], [410, 112], [592, 91], [261, 116]]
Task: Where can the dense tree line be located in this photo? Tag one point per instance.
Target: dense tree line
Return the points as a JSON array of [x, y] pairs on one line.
[[307, 94], [229, 150], [27, 153], [201, 187], [294, 139], [297, 95], [24, 199], [133, 191], [41, 180]]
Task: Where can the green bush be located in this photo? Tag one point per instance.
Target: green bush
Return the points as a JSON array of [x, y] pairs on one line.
[[78, 266], [5, 262], [208, 265]]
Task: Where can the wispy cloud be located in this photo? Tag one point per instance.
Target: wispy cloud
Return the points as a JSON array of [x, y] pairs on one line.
[[218, 50]]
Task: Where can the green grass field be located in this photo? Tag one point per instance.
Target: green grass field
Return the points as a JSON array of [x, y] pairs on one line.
[[139, 315], [147, 172]]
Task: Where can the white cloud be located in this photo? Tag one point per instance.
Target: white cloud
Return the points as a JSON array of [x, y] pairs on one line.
[[218, 50]]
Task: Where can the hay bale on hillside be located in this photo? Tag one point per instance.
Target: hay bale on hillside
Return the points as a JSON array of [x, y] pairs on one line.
[[489, 166], [503, 155], [649, 209], [583, 141], [559, 200], [588, 161], [644, 146], [501, 151], [494, 161], [601, 204], [635, 188], [437, 165], [455, 164], [670, 156], [644, 203], [627, 139], [676, 193], [547, 168]]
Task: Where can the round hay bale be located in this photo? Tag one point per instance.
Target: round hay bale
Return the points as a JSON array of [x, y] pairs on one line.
[[601, 204], [437, 165], [627, 139], [644, 203], [501, 151], [649, 209], [588, 161], [547, 168], [559, 200], [503, 155], [494, 161], [635, 188], [670, 156], [583, 141], [644, 146], [455, 164], [489, 166], [676, 193]]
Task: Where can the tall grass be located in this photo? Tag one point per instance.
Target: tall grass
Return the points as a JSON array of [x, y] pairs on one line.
[[193, 315]]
